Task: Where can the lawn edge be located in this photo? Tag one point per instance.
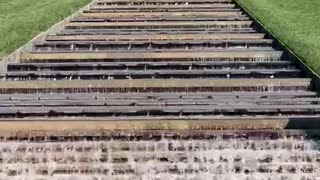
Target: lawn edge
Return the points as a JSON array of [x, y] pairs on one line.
[[14, 56], [300, 61]]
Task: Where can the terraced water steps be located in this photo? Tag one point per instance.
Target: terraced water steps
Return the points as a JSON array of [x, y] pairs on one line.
[[104, 14], [162, 31], [184, 65], [167, 89], [162, 95], [149, 45], [169, 65], [104, 2], [155, 25], [159, 19], [158, 37], [227, 10], [231, 55], [155, 74], [156, 7]]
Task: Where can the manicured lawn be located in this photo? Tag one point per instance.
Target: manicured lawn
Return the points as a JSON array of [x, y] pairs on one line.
[[21, 20], [295, 22]]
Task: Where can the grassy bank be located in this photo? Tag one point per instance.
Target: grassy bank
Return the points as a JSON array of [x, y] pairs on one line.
[[21, 20], [295, 22]]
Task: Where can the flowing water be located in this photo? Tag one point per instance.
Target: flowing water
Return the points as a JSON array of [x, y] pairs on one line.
[[163, 158], [217, 159]]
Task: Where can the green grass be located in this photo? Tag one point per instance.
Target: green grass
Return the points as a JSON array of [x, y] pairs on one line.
[[21, 20], [295, 22]]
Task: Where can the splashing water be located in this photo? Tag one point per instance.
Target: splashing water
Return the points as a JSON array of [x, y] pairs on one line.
[[165, 159]]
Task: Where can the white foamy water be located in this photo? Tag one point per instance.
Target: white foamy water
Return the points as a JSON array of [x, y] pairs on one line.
[[282, 159]]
